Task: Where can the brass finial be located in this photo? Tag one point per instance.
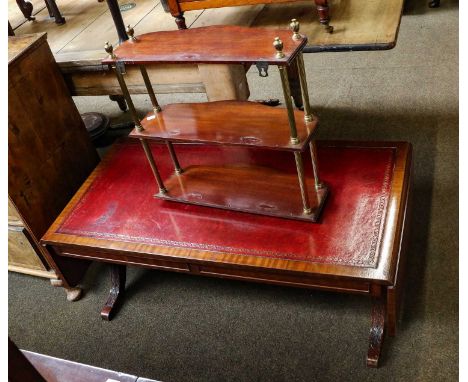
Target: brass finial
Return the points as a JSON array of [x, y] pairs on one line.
[[294, 26], [278, 44], [130, 32], [109, 49]]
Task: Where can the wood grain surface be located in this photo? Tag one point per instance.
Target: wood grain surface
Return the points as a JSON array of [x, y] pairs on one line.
[[217, 44], [227, 122]]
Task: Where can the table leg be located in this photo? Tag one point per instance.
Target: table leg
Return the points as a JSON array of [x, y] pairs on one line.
[[377, 330], [324, 14], [26, 9], [54, 11], [118, 20], [118, 276]]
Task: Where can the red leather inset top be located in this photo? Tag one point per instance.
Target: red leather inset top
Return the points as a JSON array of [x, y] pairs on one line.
[[120, 206]]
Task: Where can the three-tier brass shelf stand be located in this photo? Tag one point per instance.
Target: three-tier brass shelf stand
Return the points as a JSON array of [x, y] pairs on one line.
[[258, 189]]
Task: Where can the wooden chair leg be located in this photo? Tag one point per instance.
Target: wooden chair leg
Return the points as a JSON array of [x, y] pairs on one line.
[[118, 276], [377, 330], [54, 10], [324, 14], [180, 21]]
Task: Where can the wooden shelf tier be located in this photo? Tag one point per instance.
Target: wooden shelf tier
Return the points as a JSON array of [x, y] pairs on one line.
[[234, 123], [246, 188], [220, 44]]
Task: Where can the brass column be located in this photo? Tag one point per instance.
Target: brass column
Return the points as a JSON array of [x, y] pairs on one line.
[[308, 117], [157, 109], [292, 126], [302, 183], [126, 94], [123, 86], [288, 102], [149, 156]]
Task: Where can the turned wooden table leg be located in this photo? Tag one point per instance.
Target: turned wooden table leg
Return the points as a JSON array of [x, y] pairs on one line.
[[377, 330], [324, 14], [118, 276]]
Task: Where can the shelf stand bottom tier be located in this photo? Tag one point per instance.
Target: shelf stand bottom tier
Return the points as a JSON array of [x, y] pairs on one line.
[[247, 188]]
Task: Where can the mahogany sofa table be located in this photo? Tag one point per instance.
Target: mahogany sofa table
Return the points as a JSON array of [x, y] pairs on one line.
[[356, 247]]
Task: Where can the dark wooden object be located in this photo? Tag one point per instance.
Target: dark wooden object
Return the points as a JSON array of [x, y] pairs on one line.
[[118, 20], [118, 277], [228, 123], [358, 247], [220, 44], [178, 7], [19, 367], [49, 151], [26, 9]]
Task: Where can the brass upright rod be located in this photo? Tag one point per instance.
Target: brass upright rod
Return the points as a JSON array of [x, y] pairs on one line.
[[289, 105], [305, 93], [302, 183], [126, 94], [149, 156], [308, 117], [157, 109], [177, 168], [149, 89]]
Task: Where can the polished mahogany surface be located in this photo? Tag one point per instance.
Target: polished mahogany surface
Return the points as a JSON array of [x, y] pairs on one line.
[[117, 208], [259, 190], [241, 123], [220, 44]]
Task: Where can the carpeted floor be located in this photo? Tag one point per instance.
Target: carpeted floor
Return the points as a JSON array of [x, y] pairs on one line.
[[183, 328]]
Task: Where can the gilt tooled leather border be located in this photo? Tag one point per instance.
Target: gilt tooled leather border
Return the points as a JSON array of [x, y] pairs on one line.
[[368, 261]]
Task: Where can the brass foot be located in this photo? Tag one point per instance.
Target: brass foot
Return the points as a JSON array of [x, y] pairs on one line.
[[328, 28]]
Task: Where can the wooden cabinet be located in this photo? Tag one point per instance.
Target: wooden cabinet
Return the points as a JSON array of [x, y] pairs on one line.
[[49, 153]]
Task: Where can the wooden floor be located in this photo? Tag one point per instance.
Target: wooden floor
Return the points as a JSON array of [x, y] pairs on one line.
[[372, 24]]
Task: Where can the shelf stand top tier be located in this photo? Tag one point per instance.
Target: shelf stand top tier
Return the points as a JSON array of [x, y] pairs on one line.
[[221, 44]]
